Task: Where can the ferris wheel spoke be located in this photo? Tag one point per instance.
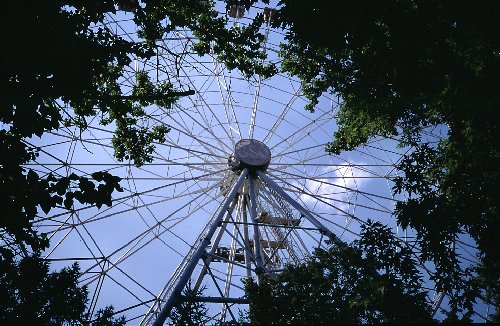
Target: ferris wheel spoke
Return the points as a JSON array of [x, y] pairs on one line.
[[327, 197], [133, 280], [322, 180], [300, 150], [367, 149], [170, 143], [210, 148], [229, 271], [302, 132], [231, 105], [123, 199], [96, 141], [136, 244], [213, 116], [191, 192], [89, 235], [257, 90], [301, 247], [226, 100], [181, 219], [294, 188], [214, 279], [327, 188], [62, 163], [222, 278], [280, 118], [59, 229], [149, 205], [123, 287], [330, 221], [189, 131]]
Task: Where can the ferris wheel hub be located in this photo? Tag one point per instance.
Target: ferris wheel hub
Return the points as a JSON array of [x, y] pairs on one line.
[[251, 154]]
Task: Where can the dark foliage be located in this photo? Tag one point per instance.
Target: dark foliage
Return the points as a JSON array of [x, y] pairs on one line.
[[106, 317], [30, 295], [189, 311], [55, 58], [62, 68], [401, 69], [375, 280]]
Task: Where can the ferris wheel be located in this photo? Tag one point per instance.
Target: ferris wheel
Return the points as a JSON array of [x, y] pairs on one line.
[[242, 186]]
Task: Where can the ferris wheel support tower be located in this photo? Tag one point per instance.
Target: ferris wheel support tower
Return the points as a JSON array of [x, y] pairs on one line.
[[249, 163]]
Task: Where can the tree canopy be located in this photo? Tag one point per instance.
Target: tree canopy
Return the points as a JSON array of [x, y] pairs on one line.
[[189, 311], [374, 280], [32, 295], [63, 67], [58, 59], [402, 68]]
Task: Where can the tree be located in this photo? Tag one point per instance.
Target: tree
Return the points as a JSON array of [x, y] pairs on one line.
[[189, 311], [402, 68], [63, 67], [31, 295], [58, 57], [106, 317], [375, 280]]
